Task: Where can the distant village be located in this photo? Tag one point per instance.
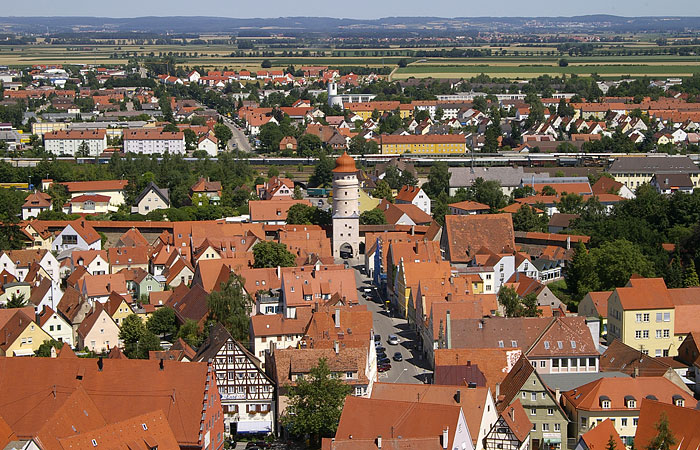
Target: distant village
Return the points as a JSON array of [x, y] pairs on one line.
[[458, 307]]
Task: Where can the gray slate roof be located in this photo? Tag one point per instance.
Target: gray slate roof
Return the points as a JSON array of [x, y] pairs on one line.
[[568, 381], [654, 164], [465, 176]]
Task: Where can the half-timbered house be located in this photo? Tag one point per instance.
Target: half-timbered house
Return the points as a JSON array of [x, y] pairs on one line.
[[247, 393], [511, 431]]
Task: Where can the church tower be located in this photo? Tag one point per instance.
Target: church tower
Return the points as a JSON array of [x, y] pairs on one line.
[[346, 208]]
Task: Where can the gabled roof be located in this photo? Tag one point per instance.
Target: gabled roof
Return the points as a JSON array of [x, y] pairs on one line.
[[393, 212], [589, 397], [517, 420], [683, 422], [514, 381], [619, 357], [132, 238], [465, 235], [91, 319], [606, 185], [597, 438], [469, 205], [644, 293], [457, 366], [86, 231], [193, 305], [600, 302], [164, 194], [37, 200], [408, 193], [95, 186]]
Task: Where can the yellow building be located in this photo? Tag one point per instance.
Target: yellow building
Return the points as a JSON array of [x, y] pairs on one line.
[[22, 336], [117, 308], [633, 171], [41, 237], [367, 202], [432, 144], [408, 273], [41, 128], [365, 110], [642, 316]]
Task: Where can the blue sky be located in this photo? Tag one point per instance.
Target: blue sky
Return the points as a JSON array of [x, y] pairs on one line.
[[350, 9]]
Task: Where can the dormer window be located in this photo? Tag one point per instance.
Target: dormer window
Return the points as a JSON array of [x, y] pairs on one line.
[[630, 401], [678, 400], [605, 402]]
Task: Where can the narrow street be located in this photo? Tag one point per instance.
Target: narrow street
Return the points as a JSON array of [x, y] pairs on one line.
[[239, 140], [412, 369]]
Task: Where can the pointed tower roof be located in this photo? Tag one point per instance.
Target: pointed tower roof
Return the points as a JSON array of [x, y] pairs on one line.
[[345, 164]]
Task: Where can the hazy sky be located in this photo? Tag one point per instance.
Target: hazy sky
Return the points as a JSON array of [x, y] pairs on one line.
[[349, 9]]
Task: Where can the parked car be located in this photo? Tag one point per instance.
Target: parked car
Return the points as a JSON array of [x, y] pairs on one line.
[[379, 349], [382, 361], [393, 339], [398, 356], [383, 368], [377, 338]]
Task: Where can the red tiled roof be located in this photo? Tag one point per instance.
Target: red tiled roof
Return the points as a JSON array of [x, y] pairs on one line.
[[598, 437], [465, 235]]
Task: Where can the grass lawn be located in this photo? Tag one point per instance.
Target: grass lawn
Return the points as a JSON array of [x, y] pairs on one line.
[[561, 291]]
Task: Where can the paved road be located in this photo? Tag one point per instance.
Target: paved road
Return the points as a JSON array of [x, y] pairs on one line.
[[239, 138], [412, 369]]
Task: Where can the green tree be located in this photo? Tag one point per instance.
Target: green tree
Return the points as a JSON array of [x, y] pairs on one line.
[[581, 276], [690, 276], [674, 277], [308, 145], [83, 150], [272, 254], [223, 134], [611, 444], [190, 139], [162, 321], [383, 190], [493, 132], [664, 439], [372, 217], [508, 298], [549, 190], [570, 204], [17, 301], [149, 342], [323, 172], [266, 64], [616, 261], [189, 332], [131, 331], [529, 306], [231, 307], [438, 180], [44, 350], [487, 192], [298, 194], [171, 128], [11, 201], [315, 404], [526, 219]]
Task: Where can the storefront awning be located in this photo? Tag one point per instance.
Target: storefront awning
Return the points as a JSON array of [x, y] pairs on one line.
[[254, 426], [23, 352]]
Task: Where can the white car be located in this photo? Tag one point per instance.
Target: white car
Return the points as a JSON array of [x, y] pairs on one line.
[[393, 339]]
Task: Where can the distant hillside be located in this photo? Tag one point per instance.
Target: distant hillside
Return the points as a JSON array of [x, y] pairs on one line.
[[335, 26]]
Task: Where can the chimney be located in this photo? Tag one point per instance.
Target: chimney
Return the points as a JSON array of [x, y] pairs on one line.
[[337, 318], [636, 372], [445, 437], [448, 330], [568, 242], [557, 394], [458, 396], [279, 272], [161, 364], [498, 391], [379, 442], [100, 364], [511, 413]]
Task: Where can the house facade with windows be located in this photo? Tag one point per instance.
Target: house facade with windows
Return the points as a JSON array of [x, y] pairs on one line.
[[642, 316], [619, 399], [154, 141], [247, 393], [549, 421], [53, 323], [511, 431]]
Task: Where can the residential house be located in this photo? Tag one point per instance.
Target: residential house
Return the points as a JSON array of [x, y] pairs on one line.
[[150, 199], [89, 204], [436, 144], [673, 182], [683, 423], [19, 334], [98, 332], [95, 262], [80, 143], [34, 204], [464, 177], [131, 238], [140, 283], [128, 258], [114, 189], [303, 287], [276, 188], [608, 185], [413, 195], [476, 402], [77, 235], [205, 188], [464, 236], [524, 286], [598, 437], [246, 392], [430, 426], [275, 330], [474, 366], [153, 141], [511, 431], [404, 214], [288, 143], [272, 213], [118, 308], [468, 207], [209, 144], [595, 304], [619, 399], [642, 315], [53, 323], [635, 171], [549, 421], [185, 393], [97, 288]]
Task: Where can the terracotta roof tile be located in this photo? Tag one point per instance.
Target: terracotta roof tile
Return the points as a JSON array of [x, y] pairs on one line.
[[465, 235], [683, 422]]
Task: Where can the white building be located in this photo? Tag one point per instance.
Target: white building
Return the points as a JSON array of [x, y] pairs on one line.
[[68, 142], [154, 142], [414, 195], [55, 325], [209, 144]]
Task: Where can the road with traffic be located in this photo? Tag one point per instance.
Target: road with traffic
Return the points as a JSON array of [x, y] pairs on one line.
[[413, 368], [239, 139]]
